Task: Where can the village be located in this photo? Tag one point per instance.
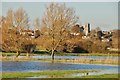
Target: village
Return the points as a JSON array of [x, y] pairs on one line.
[[84, 32], [52, 42]]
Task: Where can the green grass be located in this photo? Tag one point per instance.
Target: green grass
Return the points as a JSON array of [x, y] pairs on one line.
[[49, 74], [56, 74], [98, 54], [62, 54], [102, 76], [11, 54], [7, 54]]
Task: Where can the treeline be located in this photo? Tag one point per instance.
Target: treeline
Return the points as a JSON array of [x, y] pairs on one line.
[[52, 33]]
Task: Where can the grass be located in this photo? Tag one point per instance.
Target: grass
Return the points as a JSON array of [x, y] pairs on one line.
[[11, 54], [98, 54], [40, 53], [84, 61], [102, 76], [56, 74], [49, 74]]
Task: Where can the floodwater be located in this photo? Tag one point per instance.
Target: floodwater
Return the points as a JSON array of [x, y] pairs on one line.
[[37, 66], [29, 66]]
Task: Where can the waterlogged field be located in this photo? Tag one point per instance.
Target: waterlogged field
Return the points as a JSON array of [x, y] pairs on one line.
[[21, 69], [67, 66]]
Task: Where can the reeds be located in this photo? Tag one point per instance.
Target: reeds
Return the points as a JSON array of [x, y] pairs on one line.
[[108, 60]]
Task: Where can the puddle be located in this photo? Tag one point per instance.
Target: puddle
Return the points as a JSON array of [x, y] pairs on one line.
[[110, 71]]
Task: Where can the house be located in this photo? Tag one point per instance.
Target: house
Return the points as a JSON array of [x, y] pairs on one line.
[[105, 40], [85, 37], [29, 32]]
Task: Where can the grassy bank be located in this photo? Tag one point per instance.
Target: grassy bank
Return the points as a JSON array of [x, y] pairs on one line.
[[42, 53], [55, 74], [48, 74]]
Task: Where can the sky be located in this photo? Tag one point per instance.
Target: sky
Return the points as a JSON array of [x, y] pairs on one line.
[[98, 14]]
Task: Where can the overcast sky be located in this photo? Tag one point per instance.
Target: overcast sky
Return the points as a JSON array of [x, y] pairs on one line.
[[98, 14]]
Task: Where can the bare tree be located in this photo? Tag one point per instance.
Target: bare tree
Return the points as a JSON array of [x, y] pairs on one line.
[[21, 20], [37, 24], [7, 25], [58, 19], [9, 18], [76, 29], [28, 45], [37, 28], [12, 26]]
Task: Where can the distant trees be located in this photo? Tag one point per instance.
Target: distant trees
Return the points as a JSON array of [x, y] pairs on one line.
[[58, 19], [116, 39], [96, 34], [76, 29]]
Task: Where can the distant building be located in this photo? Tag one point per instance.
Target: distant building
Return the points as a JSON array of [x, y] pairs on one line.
[[87, 29], [29, 32], [85, 37], [105, 40], [81, 29]]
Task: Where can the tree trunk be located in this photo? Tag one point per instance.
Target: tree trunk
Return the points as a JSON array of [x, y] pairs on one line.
[[17, 54], [52, 55], [27, 55]]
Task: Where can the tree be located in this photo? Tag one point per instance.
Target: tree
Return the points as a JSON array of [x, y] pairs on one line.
[[7, 25], [99, 32], [116, 39], [37, 27], [97, 29], [58, 19], [12, 26], [37, 24], [93, 34], [21, 22], [10, 18], [28, 44], [96, 34], [76, 29]]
